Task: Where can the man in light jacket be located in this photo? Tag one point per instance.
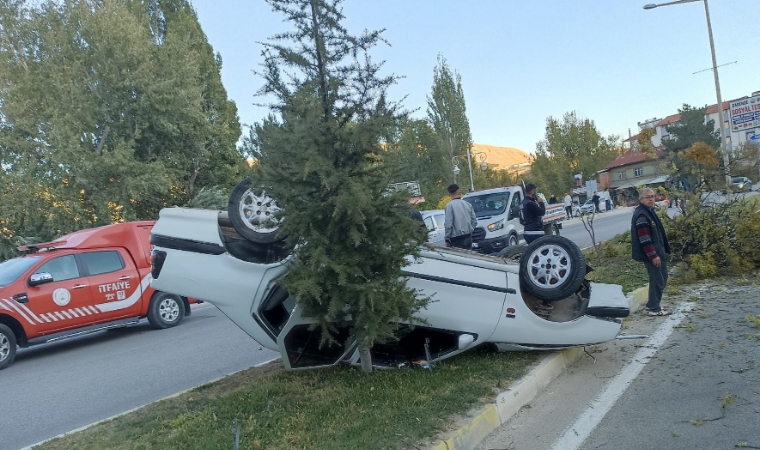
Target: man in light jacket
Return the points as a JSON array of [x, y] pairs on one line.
[[460, 220], [568, 202]]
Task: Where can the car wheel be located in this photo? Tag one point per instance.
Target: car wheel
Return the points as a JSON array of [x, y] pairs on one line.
[[512, 240], [166, 310], [513, 252], [552, 268], [7, 346], [254, 214]]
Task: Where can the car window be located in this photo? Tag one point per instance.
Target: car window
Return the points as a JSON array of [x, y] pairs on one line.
[[102, 262], [440, 220], [516, 200], [12, 269], [61, 268], [429, 223]]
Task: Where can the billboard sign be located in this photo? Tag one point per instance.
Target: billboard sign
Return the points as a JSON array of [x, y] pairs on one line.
[[745, 113]]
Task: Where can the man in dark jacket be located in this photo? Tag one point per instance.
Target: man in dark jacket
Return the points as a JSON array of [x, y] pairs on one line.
[[649, 245], [532, 210], [595, 201]]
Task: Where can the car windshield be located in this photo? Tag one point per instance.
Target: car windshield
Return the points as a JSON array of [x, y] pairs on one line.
[[737, 180], [489, 205], [12, 269]]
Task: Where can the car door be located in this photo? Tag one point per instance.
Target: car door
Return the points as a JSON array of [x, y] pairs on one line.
[[513, 215], [114, 283], [64, 302]]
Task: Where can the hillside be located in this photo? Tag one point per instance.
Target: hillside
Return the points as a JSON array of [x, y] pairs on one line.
[[503, 157]]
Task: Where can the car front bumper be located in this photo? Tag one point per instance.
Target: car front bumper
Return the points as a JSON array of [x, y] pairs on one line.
[[492, 245]]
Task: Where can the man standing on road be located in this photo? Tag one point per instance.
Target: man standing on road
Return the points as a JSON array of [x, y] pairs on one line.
[[552, 200], [595, 201], [607, 200], [460, 220], [649, 245], [532, 210], [568, 202]]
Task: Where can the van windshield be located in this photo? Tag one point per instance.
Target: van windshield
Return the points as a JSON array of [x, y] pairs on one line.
[[489, 205], [12, 269]]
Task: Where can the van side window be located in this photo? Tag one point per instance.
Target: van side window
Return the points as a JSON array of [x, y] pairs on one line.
[[98, 263], [440, 220], [62, 268], [516, 200], [429, 223]]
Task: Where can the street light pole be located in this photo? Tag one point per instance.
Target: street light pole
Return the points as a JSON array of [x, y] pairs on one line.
[[723, 130], [469, 164]]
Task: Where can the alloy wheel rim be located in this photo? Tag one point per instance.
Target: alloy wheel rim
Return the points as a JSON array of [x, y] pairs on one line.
[[260, 212], [549, 266], [169, 310], [5, 347]]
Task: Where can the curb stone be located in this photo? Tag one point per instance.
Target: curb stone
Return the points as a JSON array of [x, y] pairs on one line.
[[488, 418]]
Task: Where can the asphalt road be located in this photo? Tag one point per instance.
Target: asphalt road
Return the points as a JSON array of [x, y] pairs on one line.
[[606, 225], [56, 388], [692, 385]]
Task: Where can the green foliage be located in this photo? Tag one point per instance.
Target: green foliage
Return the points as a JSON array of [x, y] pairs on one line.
[[416, 155], [320, 155], [447, 115], [716, 240], [209, 198], [689, 130], [570, 146], [109, 111]]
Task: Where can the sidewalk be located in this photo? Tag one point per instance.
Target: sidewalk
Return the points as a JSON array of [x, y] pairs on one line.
[[479, 424]]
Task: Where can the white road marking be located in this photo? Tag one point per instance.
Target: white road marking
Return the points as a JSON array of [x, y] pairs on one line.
[[578, 432]]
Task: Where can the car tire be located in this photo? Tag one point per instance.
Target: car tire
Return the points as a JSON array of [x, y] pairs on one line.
[[165, 310], [254, 214], [512, 240], [562, 279], [7, 346], [513, 252]]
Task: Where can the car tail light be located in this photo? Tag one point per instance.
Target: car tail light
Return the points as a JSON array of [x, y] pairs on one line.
[[157, 258]]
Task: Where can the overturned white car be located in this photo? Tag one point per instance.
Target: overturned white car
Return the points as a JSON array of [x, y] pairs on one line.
[[476, 299]]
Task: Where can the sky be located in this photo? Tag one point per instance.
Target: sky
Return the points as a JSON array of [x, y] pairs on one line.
[[521, 62]]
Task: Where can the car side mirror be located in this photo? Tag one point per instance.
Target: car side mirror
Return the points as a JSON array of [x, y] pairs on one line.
[[514, 212], [40, 278]]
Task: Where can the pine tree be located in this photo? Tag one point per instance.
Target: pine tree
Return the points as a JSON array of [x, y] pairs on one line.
[[320, 155]]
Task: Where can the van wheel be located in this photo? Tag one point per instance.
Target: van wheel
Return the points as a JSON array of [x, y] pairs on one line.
[[254, 214], [552, 268], [7, 346], [166, 310]]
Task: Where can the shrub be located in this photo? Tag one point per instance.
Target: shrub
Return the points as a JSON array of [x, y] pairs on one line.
[[715, 239]]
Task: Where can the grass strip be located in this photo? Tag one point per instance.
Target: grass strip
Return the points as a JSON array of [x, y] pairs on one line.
[[335, 408], [615, 266]]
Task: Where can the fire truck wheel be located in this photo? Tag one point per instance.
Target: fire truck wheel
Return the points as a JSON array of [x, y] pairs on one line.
[[7, 346], [166, 310]]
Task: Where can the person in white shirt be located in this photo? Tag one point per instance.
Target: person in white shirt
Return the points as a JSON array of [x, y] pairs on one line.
[[568, 202]]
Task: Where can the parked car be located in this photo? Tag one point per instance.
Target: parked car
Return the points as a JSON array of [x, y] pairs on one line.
[[741, 184], [661, 201], [588, 207], [477, 298], [435, 222], [81, 283]]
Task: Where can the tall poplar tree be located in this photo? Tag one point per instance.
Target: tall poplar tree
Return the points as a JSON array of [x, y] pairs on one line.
[[447, 114], [320, 155]]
